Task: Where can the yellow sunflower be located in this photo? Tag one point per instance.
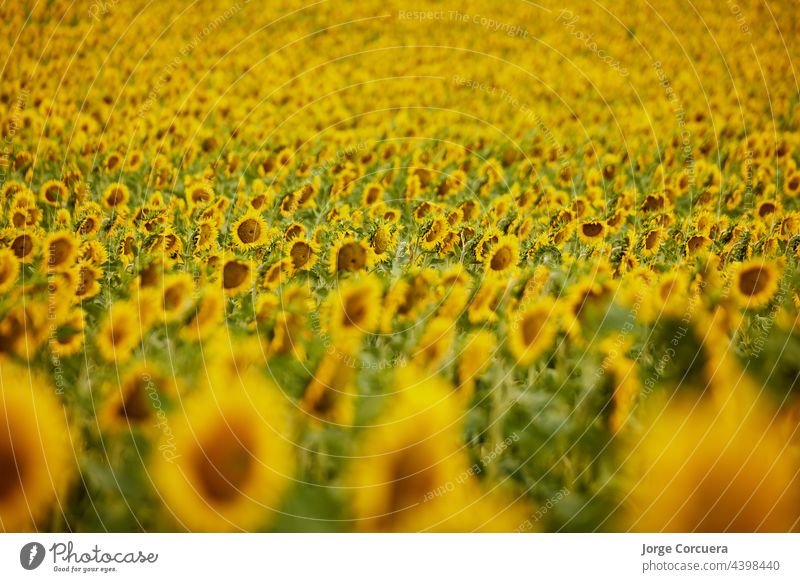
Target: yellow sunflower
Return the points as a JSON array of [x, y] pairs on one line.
[[755, 283], [700, 469], [353, 310], [69, 335], [303, 254], [118, 334], [503, 257], [136, 401], [116, 196], [54, 193], [36, 450], [207, 315], [435, 343], [412, 474], [249, 231], [60, 251], [227, 459], [278, 274], [9, 269], [477, 352], [349, 255], [592, 232], [532, 331], [329, 395], [237, 276]]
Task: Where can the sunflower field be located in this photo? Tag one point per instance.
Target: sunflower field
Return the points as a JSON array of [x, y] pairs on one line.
[[323, 266]]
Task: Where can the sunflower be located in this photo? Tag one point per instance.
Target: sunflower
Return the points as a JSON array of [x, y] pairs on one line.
[[700, 469], [755, 283], [249, 231], [435, 343], [532, 331], [306, 195], [69, 335], [35, 450], [89, 277], [696, 244], [118, 334], [112, 163], [288, 205], [485, 301], [412, 475], [503, 257], [60, 251], [176, 296], [116, 196], [93, 251], [353, 310], [373, 194], [349, 255], [434, 233], [227, 461], [208, 314], [9, 269], [329, 394], [199, 195], [767, 211], [620, 382], [237, 276], [586, 299], [24, 329], [591, 232], [476, 355], [24, 246], [134, 160], [133, 404], [650, 243], [54, 193], [278, 273], [303, 253], [294, 230], [384, 240]]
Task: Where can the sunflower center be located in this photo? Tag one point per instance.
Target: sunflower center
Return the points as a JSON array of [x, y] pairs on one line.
[[305, 195], [135, 405], [59, 252], [234, 274], [53, 194], [173, 297], [87, 225], [22, 246], [501, 259], [531, 328], [372, 195], [224, 464], [410, 480], [351, 257], [201, 195], [115, 197], [592, 229], [766, 209], [300, 253], [696, 242], [11, 472], [354, 311], [86, 278], [753, 281], [249, 231], [651, 240], [293, 231]]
